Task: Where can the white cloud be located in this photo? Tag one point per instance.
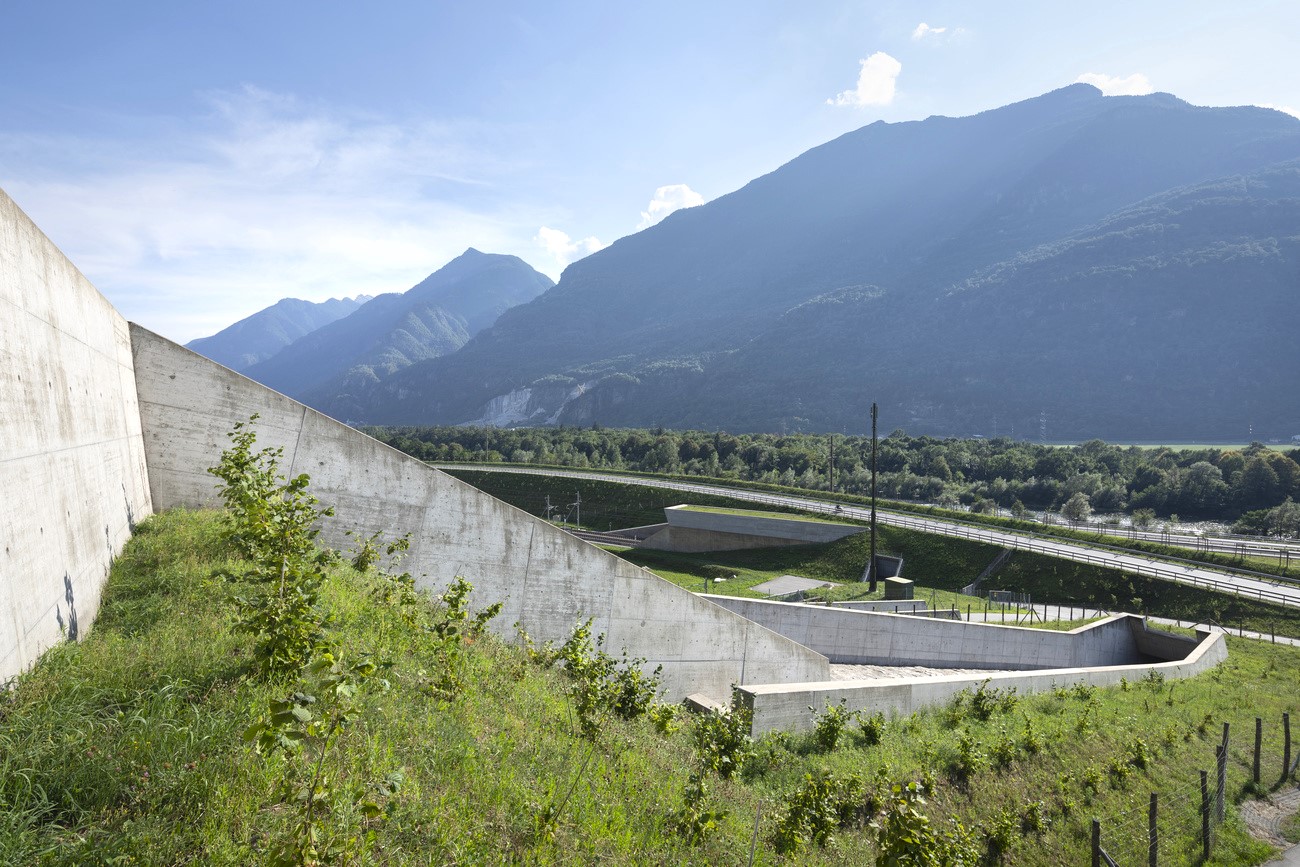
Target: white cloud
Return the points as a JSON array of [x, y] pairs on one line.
[[211, 218], [1282, 108], [666, 200], [1136, 84], [875, 82], [564, 249], [923, 30]]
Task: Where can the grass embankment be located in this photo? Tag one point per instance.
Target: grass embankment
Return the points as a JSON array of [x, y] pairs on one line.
[[529, 492], [128, 748], [940, 565]]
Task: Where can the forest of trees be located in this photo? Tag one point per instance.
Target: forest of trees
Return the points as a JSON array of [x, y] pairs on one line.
[[1254, 486]]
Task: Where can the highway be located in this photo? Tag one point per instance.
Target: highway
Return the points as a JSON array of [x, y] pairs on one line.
[[1242, 582]]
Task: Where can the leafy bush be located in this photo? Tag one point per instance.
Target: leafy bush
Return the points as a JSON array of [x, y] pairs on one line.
[[830, 724], [813, 812], [722, 740], [905, 837], [872, 726]]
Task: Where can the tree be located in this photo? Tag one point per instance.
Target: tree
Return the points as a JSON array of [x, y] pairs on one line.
[[1077, 508], [1285, 519], [1143, 518]]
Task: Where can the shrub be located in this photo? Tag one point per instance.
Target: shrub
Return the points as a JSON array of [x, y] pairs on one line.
[[722, 740], [872, 726], [813, 812]]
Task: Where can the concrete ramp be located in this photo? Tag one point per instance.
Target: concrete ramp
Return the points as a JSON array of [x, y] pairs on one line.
[[547, 579]]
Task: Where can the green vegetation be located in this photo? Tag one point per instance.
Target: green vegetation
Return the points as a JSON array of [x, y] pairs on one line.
[[983, 474], [107, 742], [939, 565]]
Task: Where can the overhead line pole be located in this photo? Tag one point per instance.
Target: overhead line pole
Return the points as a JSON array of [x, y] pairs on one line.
[[871, 565]]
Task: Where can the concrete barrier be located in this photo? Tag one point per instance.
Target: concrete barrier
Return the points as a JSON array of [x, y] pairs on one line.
[[785, 706], [878, 638], [690, 530], [73, 480], [546, 579]]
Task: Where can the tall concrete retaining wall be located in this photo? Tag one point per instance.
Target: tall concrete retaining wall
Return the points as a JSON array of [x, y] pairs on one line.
[[547, 579], [876, 638], [785, 706], [72, 465]]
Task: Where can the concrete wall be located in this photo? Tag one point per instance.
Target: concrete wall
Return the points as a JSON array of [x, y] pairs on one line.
[[72, 467], [685, 540], [874, 638], [785, 706], [691, 530], [547, 579]]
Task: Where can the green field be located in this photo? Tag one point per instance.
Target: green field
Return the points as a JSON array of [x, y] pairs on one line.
[[129, 748]]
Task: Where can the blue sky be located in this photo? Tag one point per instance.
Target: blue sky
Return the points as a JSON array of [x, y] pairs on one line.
[[200, 161]]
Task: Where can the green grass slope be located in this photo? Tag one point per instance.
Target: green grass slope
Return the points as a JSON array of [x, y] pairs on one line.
[[129, 748]]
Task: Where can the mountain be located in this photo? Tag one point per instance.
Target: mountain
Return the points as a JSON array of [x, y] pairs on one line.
[[1074, 264], [266, 332], [392, 331]]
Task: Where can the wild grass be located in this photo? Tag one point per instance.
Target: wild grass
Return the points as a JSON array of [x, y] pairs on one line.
[[128, 748]]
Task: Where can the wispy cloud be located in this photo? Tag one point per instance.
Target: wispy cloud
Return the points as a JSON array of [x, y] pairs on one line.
[[923, 30], [1136, 84], [875, 82], [666, 200], [259, 198], [564, 249]]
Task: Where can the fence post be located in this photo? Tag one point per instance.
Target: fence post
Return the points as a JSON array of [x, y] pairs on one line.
[[1220, 784], [1286, 745], [1259, 738], [1151, 831], [1096, 843], [1205, 816]]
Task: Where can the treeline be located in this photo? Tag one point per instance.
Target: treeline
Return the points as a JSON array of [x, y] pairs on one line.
[[1251, 484]]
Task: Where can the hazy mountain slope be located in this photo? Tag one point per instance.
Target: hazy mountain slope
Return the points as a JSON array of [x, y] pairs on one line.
[[689, 313], [435, 317], [266, 332]]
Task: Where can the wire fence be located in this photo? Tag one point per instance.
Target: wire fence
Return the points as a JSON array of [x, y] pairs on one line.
[[1180, 823]]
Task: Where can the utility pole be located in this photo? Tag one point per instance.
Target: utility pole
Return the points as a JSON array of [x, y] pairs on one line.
[[549, 507], [578, 504], [831, 468], [871, 566]]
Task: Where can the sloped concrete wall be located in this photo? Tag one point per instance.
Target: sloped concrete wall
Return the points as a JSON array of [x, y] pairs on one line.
[[72, 467], [547, 579]]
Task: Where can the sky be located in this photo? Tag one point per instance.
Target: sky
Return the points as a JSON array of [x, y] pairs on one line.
[[200, 161]]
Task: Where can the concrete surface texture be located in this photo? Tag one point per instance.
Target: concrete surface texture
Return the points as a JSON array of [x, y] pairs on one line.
[[690, 530], [785, 706], [878, 638], [72, 465], [547, 579]]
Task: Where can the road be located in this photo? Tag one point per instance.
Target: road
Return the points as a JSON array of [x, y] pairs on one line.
[[1256, 585]]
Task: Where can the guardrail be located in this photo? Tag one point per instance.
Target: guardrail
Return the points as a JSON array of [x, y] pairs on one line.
[[1163, 568]]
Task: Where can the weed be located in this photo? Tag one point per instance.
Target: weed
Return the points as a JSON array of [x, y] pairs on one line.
[[722, 741], [986, 702], [1001, 835], [970, 758], [812, 812], [905, 836], [872, 727], [306, 729], [1035, 818], [830, 724], [693, 821], [1004, 750]]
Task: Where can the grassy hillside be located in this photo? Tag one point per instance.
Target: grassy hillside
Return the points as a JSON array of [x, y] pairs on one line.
[[129, 748]]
